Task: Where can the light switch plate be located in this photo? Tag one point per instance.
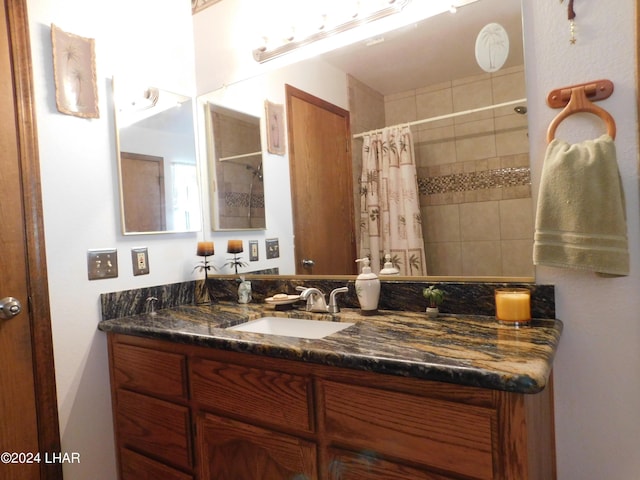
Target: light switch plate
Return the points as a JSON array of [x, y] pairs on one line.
[[102, 263], [140, 260]]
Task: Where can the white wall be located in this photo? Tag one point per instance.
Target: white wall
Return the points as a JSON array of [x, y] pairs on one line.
[[80, 196], [597, 384]]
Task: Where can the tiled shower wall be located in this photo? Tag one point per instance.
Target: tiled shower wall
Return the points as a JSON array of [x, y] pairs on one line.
[[239, 187], [473, 171]]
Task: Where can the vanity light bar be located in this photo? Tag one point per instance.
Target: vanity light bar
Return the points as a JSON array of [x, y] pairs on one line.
[[263, 55]]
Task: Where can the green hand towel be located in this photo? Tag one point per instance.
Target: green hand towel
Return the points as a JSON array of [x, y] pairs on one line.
[[580, 220]]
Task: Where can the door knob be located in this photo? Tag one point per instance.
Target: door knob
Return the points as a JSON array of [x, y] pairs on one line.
[[308, 263], [9, 308]]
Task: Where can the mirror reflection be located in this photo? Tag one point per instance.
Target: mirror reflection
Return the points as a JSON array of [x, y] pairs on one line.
[[235, 161], [472, 168], [156, 160]]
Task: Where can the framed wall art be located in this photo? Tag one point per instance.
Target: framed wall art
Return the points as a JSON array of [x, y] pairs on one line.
[[74, 71], [274, 114], [197, 5]]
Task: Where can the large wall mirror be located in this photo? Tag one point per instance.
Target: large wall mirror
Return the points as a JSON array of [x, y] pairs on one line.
[[473, 169], [159, 191]]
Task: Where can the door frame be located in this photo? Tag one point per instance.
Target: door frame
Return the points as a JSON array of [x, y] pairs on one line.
[[38, 302]]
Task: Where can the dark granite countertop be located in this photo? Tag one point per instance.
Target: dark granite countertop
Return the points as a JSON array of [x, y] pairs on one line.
[[462, 349]]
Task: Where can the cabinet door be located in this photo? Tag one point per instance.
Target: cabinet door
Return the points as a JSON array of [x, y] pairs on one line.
[[344, 465], [231, 450]]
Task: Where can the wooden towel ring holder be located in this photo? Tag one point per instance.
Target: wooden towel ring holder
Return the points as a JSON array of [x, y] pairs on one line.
[[576, 99]]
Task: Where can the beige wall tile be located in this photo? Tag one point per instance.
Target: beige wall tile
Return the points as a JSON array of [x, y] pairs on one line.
[[444, 258], [433, 104], [475, 140], [509, 86], [480, 221], [517, 258], [441, 223], [512, 161], [511, 142], [400, 110], [481, 258], [520, 191], [472, 95], [516, 219], [435, 153]]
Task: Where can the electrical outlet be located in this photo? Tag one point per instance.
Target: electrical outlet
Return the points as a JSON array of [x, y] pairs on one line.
[[102, 263], [140, 261]]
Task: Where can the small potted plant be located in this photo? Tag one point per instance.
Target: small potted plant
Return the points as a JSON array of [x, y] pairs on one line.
[[435, 297]]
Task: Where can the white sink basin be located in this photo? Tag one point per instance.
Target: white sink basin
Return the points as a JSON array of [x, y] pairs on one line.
[[292, 327]]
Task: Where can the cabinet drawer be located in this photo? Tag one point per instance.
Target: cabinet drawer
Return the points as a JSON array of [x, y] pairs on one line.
[[445, 435], [344, 465], [277, 398], [150, 371], [138, 467], [155, 427]]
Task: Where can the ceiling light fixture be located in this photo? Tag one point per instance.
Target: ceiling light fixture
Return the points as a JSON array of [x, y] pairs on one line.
[[263, 54]]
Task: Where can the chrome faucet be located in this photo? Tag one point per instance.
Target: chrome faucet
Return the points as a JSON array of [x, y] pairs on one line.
[[316, 300]]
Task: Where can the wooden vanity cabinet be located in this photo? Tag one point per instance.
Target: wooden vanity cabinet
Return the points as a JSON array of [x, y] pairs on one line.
[[151, 412], [208, 414]]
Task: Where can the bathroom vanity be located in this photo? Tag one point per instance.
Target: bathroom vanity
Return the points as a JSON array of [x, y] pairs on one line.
[[395, 396]]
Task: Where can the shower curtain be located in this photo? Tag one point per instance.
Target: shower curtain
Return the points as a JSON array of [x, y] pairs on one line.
[[390, 220]]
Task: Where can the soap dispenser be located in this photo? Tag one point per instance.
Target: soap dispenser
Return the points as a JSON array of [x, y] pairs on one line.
[[389, 269], [367, 288]]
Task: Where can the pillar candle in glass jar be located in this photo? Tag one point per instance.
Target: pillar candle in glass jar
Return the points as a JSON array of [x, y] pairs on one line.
[[513, 305]]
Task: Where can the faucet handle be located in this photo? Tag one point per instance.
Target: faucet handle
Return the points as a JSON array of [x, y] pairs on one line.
[[333, 303], [151, 305]]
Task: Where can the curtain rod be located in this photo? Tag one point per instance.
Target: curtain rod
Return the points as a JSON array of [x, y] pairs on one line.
[[449, 115]]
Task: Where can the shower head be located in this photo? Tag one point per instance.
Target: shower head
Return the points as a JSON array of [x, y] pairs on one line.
[[521, 109], [257, 172]]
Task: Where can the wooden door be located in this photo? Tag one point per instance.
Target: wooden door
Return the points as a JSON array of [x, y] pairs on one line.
[[321, 185], [28, 411], [143, 192]]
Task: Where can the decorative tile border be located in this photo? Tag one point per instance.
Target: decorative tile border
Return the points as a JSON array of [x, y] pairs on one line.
[[238, 199], [462, 182]]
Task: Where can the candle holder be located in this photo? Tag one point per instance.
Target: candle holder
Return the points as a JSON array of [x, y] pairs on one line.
[[513, 306], [235, 247], [205, 249]]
